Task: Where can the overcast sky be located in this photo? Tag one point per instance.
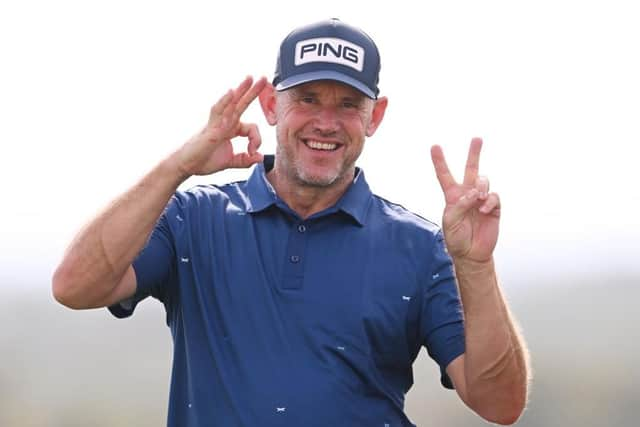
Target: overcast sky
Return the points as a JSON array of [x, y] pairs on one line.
[[94, 93]]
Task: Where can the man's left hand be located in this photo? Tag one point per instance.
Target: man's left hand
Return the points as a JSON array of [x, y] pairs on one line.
[[472, 214]]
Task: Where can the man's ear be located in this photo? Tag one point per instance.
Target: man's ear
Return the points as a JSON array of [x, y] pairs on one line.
[[377, 115], [268, 103]]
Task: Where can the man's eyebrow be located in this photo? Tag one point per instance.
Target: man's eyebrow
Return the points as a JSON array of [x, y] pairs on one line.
[[303, 92], [306, 93], [355, 99]]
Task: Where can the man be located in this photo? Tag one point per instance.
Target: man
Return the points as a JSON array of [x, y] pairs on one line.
[[297, 297]]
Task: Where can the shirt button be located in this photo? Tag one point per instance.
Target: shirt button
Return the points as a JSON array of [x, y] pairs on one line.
[[294, 258], [302, 228]]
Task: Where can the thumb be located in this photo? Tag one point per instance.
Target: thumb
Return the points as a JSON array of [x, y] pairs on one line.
[[245, 160]]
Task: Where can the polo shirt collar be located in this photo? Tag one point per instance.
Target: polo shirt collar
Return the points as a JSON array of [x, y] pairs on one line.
[[355, 201], [261, 194]]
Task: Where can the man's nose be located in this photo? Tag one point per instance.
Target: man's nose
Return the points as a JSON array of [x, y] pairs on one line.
[[327, 120]]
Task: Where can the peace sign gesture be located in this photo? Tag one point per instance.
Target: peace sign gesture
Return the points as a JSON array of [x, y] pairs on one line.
[[471, 216], [211, 150]]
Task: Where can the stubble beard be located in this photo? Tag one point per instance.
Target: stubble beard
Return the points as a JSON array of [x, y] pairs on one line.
[[296, 172], [289, 164]]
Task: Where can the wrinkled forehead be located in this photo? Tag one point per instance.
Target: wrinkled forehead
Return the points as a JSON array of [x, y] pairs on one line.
[[326, 88]]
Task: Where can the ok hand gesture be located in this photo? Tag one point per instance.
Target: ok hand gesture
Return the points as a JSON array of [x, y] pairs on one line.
[[472, 214], [211, 150]]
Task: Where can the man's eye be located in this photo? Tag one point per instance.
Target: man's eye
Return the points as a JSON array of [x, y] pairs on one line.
[[348, 104], [308, 100]]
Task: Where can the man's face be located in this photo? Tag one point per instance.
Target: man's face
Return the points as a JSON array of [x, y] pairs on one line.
[[321, 128]]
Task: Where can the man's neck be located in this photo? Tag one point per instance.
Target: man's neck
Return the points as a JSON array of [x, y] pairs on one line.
[[304, 199]]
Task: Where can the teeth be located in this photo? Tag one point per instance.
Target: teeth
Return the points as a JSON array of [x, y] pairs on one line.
[[321, 145]]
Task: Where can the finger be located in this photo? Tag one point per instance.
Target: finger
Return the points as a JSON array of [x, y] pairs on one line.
[[442, 170], [248, 97], [473, 162], [482, 185], [220, 106], [465, 203], [491, 206], [251, 131], [226, 103], [242, 88], [224, 110]]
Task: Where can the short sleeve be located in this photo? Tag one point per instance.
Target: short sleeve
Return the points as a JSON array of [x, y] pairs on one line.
[[442, 316], [153, 268]]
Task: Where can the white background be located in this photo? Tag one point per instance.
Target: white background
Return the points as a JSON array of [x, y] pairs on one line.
[[93, 94]]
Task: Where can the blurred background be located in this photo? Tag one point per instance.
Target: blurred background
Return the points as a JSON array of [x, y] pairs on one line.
[[93, 94]]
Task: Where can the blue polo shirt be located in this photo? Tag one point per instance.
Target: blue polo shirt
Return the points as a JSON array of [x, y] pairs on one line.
[[283, 321]]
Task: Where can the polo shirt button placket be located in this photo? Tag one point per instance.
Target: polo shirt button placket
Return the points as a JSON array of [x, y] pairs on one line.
[[293, 274]]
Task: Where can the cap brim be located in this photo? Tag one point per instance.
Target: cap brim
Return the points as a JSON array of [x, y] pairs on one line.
[[324, 75]]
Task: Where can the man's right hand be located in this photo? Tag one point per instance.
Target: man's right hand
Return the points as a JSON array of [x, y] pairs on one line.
[[210, 150], [96, 269]]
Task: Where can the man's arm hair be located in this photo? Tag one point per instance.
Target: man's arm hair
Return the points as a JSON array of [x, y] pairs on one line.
[[96, 269]]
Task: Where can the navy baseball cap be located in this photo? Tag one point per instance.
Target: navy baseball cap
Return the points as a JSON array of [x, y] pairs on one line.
[[328, 50]]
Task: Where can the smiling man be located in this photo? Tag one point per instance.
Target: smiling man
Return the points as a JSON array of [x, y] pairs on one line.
[[321, 128], [298, 297]]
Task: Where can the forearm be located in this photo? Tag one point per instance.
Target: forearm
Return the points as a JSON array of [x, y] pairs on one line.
[[98, 259], [496, 361], [103, 250]]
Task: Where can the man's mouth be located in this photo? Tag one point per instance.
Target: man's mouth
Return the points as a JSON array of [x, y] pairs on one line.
[[321, 146]]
